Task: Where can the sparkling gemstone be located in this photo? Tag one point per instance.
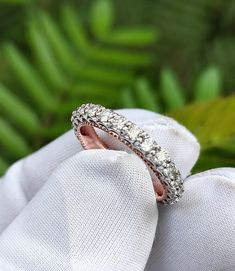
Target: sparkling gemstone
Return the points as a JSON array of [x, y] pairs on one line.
[[106, 116], [156, 161], [118, 123], [104, 119], [147, 144], [161, 155], [133, 133], [81, 111], [129, 133], [75, 122], [91, 112], [173, 183]]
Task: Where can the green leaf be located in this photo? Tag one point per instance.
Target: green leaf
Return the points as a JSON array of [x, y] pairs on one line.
[[57, 41], [88, 89], [29, 78], [12, 141], [101, 18], [71, 67], [208, 84], [96, 53], [45, 57], [120, 57], [209, 160], [74, 29], [104, 74], [127, 100], [56, 130], [132, 37], [3, 166], [145, 95], [213, 124], [171, 91], [18, 111]]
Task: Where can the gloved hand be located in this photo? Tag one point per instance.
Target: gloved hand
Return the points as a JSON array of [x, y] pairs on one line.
[[62, 208]]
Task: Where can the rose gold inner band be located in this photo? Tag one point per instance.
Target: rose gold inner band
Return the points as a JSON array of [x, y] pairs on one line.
[[90, 140]]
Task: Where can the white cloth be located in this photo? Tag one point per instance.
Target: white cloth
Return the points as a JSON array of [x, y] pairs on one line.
[[66, 209]]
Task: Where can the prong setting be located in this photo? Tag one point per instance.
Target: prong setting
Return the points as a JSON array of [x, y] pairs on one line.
[[138, 140]]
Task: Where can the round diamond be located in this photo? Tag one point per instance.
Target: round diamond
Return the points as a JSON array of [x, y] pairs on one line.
[[105, 116], [118, 123], [161, 155], [147, 144], [133, 133]]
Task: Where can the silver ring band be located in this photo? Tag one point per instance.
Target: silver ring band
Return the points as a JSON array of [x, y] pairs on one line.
[[89, 116]]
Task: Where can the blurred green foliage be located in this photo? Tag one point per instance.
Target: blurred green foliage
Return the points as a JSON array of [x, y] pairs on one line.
[[159, 55], [213, 124]]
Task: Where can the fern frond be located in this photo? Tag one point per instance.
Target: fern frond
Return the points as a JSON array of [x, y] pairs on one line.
[[127, 98], [29, 78], [145, 96], [102, 18], [171, 90], [45, 58], [18, 111], [209, 84], [132, 37], [11, 140], [66, 67]]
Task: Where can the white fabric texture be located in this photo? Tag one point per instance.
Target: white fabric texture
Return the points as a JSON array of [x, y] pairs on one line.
[[198, 233], [77, 220], [62, 208]]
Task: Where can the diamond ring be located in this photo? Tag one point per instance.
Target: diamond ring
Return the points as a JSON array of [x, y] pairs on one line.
[[167, 182]]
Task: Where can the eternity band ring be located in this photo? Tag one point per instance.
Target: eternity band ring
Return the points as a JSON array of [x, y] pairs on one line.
[[166, 178]]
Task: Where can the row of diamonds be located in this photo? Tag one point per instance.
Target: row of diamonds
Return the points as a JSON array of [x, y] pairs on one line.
[[138, 140]]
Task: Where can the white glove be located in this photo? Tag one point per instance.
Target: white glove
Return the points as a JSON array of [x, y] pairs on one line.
[[66, 209]]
